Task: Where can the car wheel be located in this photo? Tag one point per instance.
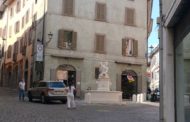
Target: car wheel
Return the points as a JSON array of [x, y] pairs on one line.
[[64, 101], [30, 97], [43, 99]]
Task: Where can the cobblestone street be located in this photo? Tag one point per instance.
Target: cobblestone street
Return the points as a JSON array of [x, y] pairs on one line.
[[12, 110]]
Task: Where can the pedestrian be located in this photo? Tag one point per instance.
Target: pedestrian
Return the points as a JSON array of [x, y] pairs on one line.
[[21, 90], [70, 96]]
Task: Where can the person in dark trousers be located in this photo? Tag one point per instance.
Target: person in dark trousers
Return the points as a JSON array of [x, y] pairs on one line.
[[21, 90]]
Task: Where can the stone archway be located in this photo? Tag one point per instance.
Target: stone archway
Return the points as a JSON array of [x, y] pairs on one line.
[[129, 83]]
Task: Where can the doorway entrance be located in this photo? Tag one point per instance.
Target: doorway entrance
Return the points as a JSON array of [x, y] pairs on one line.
[[67, 73], [128, 84]]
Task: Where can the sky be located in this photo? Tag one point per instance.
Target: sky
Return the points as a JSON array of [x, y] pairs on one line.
[[153, 38]]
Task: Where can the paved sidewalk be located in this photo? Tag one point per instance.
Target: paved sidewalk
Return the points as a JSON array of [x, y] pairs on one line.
[[151, 103]]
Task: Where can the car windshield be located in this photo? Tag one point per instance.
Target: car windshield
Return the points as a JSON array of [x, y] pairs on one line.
[[56, 84]]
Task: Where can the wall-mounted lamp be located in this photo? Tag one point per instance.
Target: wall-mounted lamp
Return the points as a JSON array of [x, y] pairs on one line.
[[50, 35]]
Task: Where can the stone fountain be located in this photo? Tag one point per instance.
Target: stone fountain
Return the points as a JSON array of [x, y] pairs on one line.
[[103, 94]]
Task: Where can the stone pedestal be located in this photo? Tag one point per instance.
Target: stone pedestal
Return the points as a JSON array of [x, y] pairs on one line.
[[103, 93], [103, 84], [95, 96]]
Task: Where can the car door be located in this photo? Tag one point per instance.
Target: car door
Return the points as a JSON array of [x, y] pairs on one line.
[[40, 89], [34, 89]]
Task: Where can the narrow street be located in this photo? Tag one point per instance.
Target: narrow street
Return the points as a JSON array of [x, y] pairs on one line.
[[12, 110]]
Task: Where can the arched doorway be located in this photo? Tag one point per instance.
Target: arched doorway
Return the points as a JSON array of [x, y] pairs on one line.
[[67, 73], [128, 84]]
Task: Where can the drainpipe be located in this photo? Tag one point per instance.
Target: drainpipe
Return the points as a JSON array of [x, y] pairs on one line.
[[43, 41], [161, 110]]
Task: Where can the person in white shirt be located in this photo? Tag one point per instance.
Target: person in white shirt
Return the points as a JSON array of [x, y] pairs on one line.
[[70, 96], [21, 89]]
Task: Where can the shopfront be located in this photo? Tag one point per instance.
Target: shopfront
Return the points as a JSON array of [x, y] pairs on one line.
[[182, 69]]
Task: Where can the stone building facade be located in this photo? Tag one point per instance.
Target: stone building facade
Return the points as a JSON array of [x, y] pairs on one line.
[[85, 33]]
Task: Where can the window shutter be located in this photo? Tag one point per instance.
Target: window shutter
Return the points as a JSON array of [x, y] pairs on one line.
[[9, 52], [68, 7], [16, 47], [26, 36], [129, 16], [102, 43], [100, 40], [25, 39], [103, 12], [124, 40], [74, 40], [61, 43], [135, 48], [100, 11], [97, 11], [53, 74], [21, 44], [97, 48]]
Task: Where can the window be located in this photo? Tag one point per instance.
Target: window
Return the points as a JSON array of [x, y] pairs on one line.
[[11, 12], [56, 84], [129, 47], [68, 7], [10, 31], [9, 52], [23, 22], [16, 47], [23, 4], [100, 11], [17, 27], [34, 20], [67, 39], [42, 84], [21, 44], [96, 72], [18, 5], [130, 16], [99, 43], [27, 16]]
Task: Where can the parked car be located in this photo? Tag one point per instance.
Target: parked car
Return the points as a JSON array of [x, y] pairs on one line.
[[48, 91]]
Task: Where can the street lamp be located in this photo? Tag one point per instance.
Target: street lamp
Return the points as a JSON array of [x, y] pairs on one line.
[[151, 47]]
